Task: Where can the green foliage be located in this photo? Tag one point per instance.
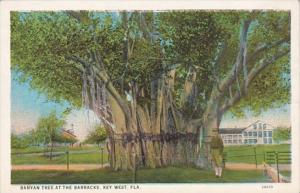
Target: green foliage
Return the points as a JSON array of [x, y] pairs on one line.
[[98, 135], [282, 134], [192, 40], [20, 141], [48, 129], [271, 88], [43, 42]]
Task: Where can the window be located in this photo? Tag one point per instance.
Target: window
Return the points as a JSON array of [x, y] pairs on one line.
[[240, 136], [265, 126], [254, 126], [255, 141], [265, 140], [250, 133], [229, 136], [240, 141], [270, 133], [260, 126], [259, 134], [245, 134], [225, 141], [230, 141], [234, 136], [246, 141], [265, 133], [235, 141], [270, 140], [255, 134]]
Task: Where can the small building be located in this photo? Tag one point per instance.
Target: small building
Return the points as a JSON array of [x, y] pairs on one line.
[[256, 133], [68, 137]]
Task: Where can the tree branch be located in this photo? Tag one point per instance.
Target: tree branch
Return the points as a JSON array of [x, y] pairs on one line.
[[80, 16], [252, 74], [265, 47], [102, 76], [231, 76]]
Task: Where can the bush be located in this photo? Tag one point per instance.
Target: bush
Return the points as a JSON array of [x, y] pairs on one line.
[[281, 134], [20, 141], [97, 136]]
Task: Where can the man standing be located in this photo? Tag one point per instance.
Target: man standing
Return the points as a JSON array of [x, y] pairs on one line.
[[217, 146]]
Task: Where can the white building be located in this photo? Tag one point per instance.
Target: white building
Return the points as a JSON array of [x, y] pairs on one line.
[[256, 133]]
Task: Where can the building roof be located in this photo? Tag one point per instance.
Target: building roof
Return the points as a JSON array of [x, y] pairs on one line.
[[231, 130], [68, 132], [259, 121]]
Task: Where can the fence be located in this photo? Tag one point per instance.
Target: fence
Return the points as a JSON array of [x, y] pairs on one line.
[[68, 156], [100, 151], [270, 158], [249, 154], [277, 158]]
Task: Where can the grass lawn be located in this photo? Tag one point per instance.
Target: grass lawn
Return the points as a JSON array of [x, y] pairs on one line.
[[159, 175], [286, 173], [77, 156], [42, 149], [86, 158], [233, 152]]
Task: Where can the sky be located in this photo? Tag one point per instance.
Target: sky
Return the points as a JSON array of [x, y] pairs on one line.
[[277, 117], [27, 105]]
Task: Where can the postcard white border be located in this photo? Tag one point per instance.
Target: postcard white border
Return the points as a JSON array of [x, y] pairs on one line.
[[292, 5]]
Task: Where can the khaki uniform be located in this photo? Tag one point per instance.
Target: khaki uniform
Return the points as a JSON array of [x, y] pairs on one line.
[[217, 146]]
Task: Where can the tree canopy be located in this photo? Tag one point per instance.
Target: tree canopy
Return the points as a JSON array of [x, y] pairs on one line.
[[158, 81], [44, 45], [48, 129]]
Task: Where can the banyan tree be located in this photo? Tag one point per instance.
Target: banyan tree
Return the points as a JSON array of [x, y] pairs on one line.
[[158, 81]]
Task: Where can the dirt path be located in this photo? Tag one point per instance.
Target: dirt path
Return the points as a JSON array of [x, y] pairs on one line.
[[243, 166], [83, 167], [60, 167]]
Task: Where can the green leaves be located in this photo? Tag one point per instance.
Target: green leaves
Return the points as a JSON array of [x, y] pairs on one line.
[[48, 128], [41, 43], [98, 135], [282, 134]]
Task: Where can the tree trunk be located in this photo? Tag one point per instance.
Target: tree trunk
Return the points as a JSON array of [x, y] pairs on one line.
[[155, 132], [51, 150], [211, 121], [157, 138]]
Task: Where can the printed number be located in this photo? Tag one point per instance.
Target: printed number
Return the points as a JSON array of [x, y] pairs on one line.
[[267, 187]]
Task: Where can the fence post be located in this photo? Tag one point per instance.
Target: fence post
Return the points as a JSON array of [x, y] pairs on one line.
[[276, 157], [102, 156], [224, 159], [255, 157], [134, 167], [68, 161]]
